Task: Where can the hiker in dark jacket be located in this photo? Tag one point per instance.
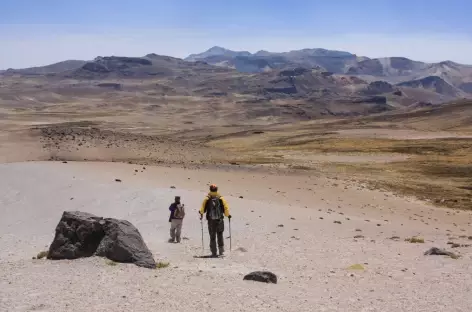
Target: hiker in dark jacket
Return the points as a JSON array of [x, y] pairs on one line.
[[216, 208], [177, 214]]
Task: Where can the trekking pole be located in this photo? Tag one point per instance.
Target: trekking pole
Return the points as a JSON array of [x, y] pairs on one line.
[[229, 220], [201, 223]]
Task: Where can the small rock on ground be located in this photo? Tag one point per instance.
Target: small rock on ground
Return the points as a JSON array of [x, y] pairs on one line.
[[261, 276]]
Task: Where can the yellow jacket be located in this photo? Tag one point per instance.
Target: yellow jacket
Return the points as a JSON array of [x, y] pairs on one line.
[[225, 204]]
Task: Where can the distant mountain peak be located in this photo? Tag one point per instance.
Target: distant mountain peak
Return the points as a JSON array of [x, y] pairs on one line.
[[216, 49]]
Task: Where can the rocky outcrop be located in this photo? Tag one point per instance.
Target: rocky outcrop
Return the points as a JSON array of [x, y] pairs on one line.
[[372, 99], [262, 276], [294, 72], [81, 234], [378, 87], [111, 85], [95, 68]]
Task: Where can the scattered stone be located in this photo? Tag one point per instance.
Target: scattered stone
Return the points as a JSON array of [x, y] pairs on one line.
[[378, 224], [359, 236], [292, 218], [415, 240], [241, 197], [358, 230], [81, 234], [440, 252], [280, 225], [172, 187], [394, 238], [460, 245], [117, 180], [321, 218], [135, 170], [241, 249], [337, 222], [64, 162], [261, 276]]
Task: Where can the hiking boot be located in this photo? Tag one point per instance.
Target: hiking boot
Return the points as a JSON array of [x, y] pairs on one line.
[[222, 251], [171, 240]]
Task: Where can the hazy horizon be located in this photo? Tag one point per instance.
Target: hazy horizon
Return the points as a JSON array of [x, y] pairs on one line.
[[40, 33]]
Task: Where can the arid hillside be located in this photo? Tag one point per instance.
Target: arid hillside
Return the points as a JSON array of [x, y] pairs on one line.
[[159, 109]]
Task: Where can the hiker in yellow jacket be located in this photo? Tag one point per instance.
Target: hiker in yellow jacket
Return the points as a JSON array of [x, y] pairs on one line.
[[216, 208]]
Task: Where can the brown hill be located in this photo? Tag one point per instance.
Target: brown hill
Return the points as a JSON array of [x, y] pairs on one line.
[[44, 70], [389, 69], [435, 84], [291, 93]]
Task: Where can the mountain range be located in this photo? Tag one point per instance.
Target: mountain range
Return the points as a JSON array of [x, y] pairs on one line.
[[310, 81], [390, 69]]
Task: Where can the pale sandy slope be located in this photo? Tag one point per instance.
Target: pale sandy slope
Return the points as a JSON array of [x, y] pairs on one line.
[[310, 255]]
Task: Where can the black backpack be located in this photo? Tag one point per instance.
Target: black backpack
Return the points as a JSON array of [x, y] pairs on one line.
[[214, 208]]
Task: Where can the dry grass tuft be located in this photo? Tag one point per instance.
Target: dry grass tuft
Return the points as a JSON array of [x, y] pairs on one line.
[[162, 265], [42, 254]]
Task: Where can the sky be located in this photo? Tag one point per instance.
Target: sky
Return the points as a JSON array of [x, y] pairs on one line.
[[40, 32]]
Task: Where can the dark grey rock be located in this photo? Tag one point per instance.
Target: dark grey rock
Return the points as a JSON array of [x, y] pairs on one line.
[[262, 276], [78, 235], [81, 234], [440, 252], [123, 243]]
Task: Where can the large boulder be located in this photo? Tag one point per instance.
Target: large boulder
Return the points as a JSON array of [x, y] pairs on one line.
[[81, 234], [262, 276], [78, 235], [123, 243]]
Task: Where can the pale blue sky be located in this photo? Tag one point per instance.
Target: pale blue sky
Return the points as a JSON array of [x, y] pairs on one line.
[[38, 32]]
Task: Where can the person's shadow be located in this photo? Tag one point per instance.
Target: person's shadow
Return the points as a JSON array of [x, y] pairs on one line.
[[207, 257]]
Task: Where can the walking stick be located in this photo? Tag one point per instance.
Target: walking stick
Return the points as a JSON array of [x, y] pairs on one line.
[[203, 246], [229, 220]]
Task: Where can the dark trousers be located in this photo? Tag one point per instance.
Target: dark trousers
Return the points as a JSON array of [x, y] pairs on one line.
[[216, 229]]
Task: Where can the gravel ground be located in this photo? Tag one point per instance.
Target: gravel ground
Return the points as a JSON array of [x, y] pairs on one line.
[[310, 253]]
